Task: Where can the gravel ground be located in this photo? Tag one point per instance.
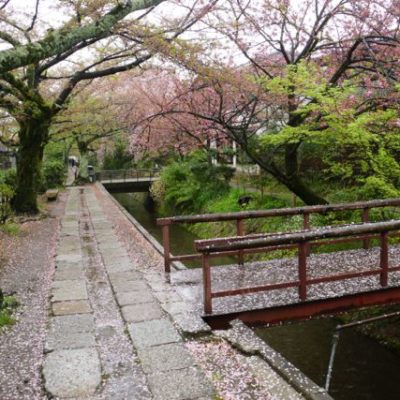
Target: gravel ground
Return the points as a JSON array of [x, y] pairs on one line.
[[228, 370], [26, 269]]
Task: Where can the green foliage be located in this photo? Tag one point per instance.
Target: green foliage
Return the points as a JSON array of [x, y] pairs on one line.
[[342, 144], [343, 195], [157, 191], [118, 157], [8, 177], [53, 167], [6, 195], [92, 159], [10, 228], [7, 305], [191, 184], [53, 173], [377, 188], [55, 151]]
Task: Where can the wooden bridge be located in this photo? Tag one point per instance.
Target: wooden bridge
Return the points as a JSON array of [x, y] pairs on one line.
[[309, 284], [130, 180]]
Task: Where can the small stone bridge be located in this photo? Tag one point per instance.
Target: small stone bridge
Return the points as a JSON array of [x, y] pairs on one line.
[[290, 288], [126, 181]]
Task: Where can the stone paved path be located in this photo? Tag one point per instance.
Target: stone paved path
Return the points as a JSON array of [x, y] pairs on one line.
[[110, 332]]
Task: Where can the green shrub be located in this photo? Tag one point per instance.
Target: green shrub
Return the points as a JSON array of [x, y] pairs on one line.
[[157, 191], [6, 195], [377, 188], [10, 228], [7, 304], [343, 196], [9, 177], [53, 169], [190, 185], [53, 172]]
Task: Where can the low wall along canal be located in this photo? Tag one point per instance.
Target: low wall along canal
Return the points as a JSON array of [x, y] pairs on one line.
[[363, 369]]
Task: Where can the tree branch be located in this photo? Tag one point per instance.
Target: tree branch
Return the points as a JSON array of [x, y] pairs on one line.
[[61, 40]]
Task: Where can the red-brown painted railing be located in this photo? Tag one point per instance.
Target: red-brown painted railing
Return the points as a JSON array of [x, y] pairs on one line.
[[126, 174], [302, 240], [239, 217]]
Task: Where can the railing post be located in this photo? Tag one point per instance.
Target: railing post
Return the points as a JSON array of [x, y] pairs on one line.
[[303, 249], [207, 284], [384, 262], [306, 227], [365, 219], [240, 232], [166, 244], [306, 221]]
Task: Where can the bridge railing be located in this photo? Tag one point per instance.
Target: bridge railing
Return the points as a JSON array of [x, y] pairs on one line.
[[240, 217], [302, 240], [126, 174]]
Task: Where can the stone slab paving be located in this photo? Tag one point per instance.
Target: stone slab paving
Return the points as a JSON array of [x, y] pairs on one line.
[[66, 290], [117, 329], [159, 344], [72, 373], [72, 365], [101, 301], [71, 307], [134, 297]]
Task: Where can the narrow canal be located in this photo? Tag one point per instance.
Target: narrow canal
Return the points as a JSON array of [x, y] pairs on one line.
[[363, 369]]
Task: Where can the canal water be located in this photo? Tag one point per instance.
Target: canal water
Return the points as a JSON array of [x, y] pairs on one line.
[[181, 239], [363, 369]]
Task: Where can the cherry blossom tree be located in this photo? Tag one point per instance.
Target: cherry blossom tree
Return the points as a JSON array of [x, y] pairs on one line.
[[42, 71], [307, 68], [141, 105]]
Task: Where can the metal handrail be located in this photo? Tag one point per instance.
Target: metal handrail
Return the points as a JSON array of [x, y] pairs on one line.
[[302, 240], [240, 217], [125, 175], [278, 212]]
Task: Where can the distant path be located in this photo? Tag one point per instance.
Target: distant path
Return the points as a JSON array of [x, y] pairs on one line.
[[71, 175]]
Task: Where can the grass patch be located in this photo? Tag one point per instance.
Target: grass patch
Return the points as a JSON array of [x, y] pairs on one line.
[[10, 228], [7, 306]]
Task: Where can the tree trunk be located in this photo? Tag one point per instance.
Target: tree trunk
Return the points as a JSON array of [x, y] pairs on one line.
[[32, 135], [288, 176], [302, 190], [293, 181]]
